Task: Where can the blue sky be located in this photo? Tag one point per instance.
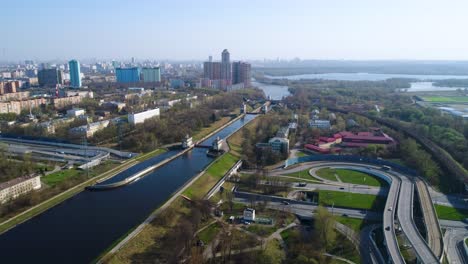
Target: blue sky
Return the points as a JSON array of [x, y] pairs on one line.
[[254, 29]]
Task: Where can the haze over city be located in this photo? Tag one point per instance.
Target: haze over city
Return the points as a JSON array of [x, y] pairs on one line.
[[190, 30], [234, 132]]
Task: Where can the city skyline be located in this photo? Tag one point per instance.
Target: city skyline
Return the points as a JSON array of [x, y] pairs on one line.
[[419, 30]]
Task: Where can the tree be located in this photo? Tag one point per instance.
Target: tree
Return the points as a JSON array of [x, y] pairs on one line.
[[325, 227]]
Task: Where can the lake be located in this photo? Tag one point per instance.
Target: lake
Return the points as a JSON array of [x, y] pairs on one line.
[[361, 76], [275, 92], [423, 85]]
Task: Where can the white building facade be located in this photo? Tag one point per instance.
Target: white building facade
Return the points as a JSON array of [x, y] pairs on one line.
[[141, 117], [16, 187]]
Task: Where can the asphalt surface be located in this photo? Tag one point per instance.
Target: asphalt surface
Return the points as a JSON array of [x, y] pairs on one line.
[[405, 218], [454, 239], [434, 234]]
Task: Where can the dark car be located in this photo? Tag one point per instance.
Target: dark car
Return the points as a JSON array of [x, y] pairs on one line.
[[387, 228]]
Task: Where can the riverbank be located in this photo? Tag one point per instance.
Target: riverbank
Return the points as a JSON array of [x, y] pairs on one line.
[[143, 236], [207, 178], [59, 198], [63, 196]]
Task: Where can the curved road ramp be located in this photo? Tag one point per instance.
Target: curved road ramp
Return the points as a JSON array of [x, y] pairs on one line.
[[405, 217], [434, 233]]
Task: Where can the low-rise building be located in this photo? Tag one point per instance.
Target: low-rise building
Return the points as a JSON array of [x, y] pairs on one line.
[[12, 189], [63, 102], [217, 144], [243, 108], [249, 214], [187, 142], [279, 144], [141, 117], [15, 96], [74, 112], [89, 129], [320, 124], [114, 105]]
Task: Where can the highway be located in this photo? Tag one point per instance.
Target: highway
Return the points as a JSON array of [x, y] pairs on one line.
[[405, 218], [400, 196], [434, 234]]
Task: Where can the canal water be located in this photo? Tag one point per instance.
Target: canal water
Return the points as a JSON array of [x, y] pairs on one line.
[[81, 228]]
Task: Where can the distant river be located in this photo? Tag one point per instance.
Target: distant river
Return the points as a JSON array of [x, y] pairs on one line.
[[275, 92], [423, 85], [361, 76]]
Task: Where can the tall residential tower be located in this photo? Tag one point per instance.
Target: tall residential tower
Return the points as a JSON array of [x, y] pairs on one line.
[[226, 73], [75, 73]]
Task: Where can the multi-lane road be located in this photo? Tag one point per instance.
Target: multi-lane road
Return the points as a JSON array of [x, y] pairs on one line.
[[400, 200], [405, 218]]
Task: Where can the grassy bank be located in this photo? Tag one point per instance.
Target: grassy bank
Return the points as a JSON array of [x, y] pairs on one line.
[[212, 175], [450, 213], [98, 173], [350, 176], [351, 200], [446, 99], [304, 174], [150, 240]]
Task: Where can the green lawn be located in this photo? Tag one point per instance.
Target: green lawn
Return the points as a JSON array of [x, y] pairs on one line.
[[301, 154], [350, 176], [59, 176], [450, 213], [304, 174], [222, 165], [446, 99], [212, 175], [351, 200], [353, 223], [209, 233]]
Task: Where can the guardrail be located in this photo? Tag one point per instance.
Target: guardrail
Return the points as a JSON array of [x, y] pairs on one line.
[[375, 248], [465, 246]]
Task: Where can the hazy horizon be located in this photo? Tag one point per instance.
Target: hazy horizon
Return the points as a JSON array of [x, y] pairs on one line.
[[179, 30]]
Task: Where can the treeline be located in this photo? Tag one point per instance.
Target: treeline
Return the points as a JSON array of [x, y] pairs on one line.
[[462, 83], [449, 132], [390, 84], [179, 121], [22, 166], [265, 128]]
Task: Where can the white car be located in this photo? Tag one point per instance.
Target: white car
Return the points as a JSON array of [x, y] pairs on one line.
[[390, 208]]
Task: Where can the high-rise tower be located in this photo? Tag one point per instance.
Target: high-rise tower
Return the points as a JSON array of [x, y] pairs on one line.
[[226, 73], [75, 74]]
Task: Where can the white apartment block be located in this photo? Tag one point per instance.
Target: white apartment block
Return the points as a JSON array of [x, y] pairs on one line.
[[12, 189]]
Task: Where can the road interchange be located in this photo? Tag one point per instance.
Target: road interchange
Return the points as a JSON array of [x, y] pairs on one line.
[[399, 207]]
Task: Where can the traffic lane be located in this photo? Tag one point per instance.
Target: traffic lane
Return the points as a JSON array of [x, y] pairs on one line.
[[454, 241], [453, 224], [308, 211], [351, 189], [405, 218]]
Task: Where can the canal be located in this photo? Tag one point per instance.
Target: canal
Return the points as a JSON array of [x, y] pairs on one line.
[[82, 227]]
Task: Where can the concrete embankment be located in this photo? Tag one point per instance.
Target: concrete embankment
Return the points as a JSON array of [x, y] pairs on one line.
[[136, 176], [100, 187]]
